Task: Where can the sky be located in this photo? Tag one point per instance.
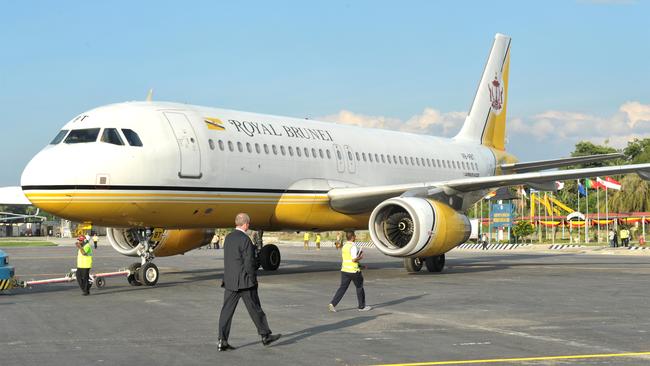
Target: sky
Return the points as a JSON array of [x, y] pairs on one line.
[[579, 70]]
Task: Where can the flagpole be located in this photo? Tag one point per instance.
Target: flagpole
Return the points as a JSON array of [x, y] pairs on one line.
[[598, 207], [606, 213], [586, 232], [579, 231]]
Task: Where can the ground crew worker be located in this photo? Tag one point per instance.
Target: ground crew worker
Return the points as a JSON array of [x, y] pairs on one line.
[[350, 272], [625, 237], [95, 240], [84, 263], [318, 241], [305, 239]]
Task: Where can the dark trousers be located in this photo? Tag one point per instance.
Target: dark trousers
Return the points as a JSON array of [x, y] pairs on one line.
[[346, 278], [83, 278], [252, 302]]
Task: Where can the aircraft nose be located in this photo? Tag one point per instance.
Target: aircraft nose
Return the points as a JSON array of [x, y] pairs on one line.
[[44, 180]]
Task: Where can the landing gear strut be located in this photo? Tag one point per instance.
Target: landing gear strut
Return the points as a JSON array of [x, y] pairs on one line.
[[268, 255], [434, 263], [145, 272]]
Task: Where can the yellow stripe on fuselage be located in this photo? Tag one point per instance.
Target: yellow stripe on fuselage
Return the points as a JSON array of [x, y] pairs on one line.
[[193, 210]]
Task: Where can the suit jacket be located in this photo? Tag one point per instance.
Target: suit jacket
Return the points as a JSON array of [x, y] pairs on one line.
[[239, 262]]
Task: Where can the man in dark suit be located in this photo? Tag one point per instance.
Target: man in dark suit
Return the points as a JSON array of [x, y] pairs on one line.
[[240, 281]]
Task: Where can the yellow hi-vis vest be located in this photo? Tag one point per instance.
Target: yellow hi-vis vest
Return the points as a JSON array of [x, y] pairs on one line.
[[85, 261], [348, 264]]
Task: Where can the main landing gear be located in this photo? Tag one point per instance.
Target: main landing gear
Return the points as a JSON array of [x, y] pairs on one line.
[[145, 272], [268, 256], [434, 263]]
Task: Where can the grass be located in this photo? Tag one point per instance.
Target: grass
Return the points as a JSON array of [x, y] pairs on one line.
[[27, 243]]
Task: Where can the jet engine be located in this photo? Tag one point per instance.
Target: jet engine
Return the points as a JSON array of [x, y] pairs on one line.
[[412, 227], [169, 242]]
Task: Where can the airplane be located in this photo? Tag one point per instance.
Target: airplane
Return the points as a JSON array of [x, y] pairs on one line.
[[161, 175]]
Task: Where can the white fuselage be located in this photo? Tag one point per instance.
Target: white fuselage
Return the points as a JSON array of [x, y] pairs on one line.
[[206, 159]]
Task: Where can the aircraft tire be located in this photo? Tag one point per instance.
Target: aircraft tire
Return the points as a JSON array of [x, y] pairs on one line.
[[133, 278], [149, 274], [413, 265], [270, 257], [435, 263]]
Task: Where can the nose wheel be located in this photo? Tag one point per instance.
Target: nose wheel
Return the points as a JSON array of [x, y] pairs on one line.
[[145, 272]]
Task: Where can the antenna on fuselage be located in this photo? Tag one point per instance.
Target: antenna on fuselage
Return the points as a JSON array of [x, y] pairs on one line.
[[150, 95]]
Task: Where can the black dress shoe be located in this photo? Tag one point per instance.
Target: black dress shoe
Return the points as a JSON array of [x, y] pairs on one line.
[[270, 339], [223, 345]]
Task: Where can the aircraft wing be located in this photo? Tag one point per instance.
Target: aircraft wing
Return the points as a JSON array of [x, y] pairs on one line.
[[531, 166], [362, 199], [13, 196]]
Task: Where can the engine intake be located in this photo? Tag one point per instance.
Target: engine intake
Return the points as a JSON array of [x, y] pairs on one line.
[[412, 227], [172, 242]]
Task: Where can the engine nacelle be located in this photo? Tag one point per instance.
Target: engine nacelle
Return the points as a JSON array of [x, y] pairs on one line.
[[171, 242], [412, 227]]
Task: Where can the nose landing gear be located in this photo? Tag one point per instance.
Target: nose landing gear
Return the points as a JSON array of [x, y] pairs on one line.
[[146, 272]]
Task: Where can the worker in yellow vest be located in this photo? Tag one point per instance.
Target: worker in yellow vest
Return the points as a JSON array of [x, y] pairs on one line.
[[318, 241], [84, 263], [350, 272], [305, 239]]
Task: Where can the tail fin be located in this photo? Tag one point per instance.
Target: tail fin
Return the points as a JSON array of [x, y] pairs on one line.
[[486, 121]]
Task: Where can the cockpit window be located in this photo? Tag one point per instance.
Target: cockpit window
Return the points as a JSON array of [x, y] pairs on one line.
[[132, 137], [59, 137], [84, 135], [111, 136]]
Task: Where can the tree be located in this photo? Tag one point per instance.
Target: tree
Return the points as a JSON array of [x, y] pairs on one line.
[[634, 197], [522, 229]]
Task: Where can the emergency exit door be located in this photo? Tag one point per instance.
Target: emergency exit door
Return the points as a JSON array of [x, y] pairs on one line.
[[188, 145], [340, 160]]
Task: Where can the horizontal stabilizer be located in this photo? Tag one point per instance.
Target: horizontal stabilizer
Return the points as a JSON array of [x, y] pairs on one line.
[[532, 166], [13, 196]]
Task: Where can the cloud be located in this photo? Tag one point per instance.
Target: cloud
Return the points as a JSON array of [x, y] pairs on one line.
[[567, 127], [631, 121], [430, 121]]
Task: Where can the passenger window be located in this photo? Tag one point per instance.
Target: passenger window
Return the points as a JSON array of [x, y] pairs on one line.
[[230, 147], [363, 155], [338, 153], [266, 148], [59, 137], [439, 166], [291, 150], [412, 161], [400, 160], [240, 147], [248, 148], [320, 153], [275, 149], [329, 156], [382, 159], [306, 152], [81, 136], [388, 157], [211, 143], [220, 145], [349, 156], [132, 137], [257, 148], [313, 153], [282, 150], [358, 157], [370, 157]]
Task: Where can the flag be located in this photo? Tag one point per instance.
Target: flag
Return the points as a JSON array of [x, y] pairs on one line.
[[611, 184], [593, 184], [559, 185], [490, 195], [581, 190]]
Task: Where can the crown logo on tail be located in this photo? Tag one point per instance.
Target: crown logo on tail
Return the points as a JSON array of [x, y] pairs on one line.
[[496, 94]]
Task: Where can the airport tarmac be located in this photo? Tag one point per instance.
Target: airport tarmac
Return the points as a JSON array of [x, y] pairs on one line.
[[545, 308]]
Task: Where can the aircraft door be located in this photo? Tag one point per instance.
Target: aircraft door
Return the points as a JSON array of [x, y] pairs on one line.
[[350, 157], [188, 145], [340, 163]]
